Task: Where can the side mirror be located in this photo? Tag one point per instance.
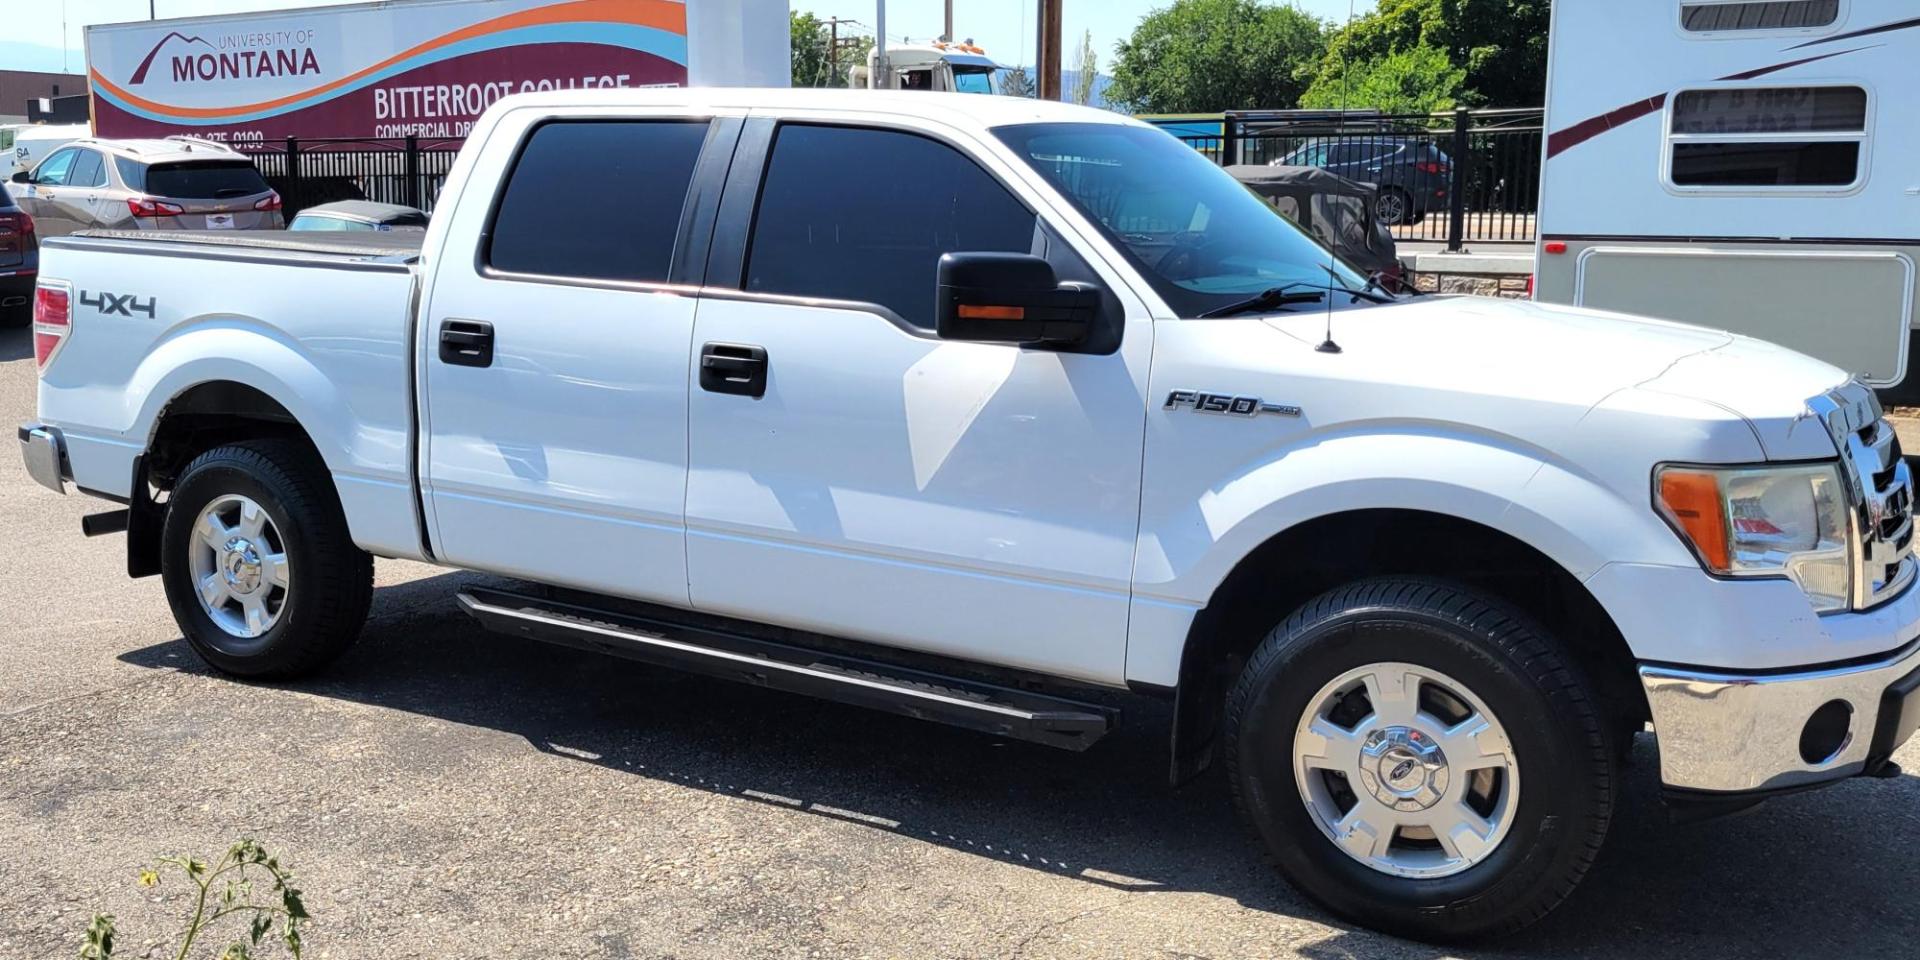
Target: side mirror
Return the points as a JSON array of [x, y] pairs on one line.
[[1010, 298], [22, 176]]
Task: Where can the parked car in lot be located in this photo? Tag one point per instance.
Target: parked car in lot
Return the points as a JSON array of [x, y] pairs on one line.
[[1413, 175], [172, 184], [30, 144], [19, 262], [360, 216], [963, 406]]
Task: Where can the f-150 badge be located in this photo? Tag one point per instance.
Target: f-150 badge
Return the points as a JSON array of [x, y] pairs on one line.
[[1227, 404]]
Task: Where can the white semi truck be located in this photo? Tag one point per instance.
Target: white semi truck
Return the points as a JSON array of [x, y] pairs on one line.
[[968, 407]]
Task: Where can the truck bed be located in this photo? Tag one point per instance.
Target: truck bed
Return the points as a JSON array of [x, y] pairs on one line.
[[365, 250]]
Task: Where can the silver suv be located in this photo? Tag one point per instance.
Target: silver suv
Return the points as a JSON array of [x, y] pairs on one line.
[[174, 184]]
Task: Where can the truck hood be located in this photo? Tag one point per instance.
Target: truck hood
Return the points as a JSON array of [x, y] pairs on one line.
[[1575, 359]]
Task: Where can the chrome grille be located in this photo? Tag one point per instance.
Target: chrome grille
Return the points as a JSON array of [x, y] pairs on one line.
[[1879, 492]]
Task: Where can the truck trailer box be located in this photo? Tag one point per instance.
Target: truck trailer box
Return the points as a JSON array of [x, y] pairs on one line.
[[424, 68]]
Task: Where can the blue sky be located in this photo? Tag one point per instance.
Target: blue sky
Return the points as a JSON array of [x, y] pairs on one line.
[[1004, 27]]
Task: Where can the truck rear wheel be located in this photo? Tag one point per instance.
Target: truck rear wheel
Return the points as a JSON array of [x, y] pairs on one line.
[[259, 569], [1420, 759]]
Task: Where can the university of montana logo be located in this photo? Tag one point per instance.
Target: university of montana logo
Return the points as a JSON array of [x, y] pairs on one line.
[[246, 56]]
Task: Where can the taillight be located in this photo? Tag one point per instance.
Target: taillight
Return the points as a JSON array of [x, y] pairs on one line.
[[149, 207], [1428, 166], [270, 204], [1529, 286], [52, 320]]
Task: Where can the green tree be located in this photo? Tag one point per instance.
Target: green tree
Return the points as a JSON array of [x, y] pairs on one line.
[[1501, 45], [1016, 82], [1419, 80], [1203, 56], [810, 51], [1086, 69]]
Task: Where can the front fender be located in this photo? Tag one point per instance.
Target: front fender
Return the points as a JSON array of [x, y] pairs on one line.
[[1188, 548]]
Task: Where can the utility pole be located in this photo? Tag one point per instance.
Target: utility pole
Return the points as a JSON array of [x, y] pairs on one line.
[[881, 75], [948, 37], [833, 49], [1047, 54]]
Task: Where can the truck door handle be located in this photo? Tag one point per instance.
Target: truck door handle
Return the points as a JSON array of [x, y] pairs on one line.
[[735, 368], [466, 343]]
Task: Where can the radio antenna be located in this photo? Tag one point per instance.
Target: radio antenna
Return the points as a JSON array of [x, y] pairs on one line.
[[1333, 275]]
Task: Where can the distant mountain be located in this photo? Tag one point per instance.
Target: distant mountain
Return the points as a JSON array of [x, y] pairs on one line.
[[1070, 78], [15, 55], [1067, 80]]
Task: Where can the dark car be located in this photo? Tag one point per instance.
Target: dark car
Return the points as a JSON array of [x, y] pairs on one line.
[[19, 262], [1413, 175]]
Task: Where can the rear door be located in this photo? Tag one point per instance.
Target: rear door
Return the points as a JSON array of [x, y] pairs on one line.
[[80, 202], [556, 352]]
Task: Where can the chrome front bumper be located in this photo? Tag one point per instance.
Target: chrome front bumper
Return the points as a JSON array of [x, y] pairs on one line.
[[1749, 733], [46, 459]]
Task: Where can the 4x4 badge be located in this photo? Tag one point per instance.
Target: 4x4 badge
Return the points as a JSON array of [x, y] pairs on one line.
[[114, 304], [1227, 404]]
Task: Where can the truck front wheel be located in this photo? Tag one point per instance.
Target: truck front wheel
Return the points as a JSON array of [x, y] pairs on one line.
[[1421, 759], [259, 569]]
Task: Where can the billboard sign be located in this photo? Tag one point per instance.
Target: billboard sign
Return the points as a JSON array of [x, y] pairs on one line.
[[425, 69]]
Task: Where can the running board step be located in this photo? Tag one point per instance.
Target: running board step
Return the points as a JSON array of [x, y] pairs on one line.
[[1007, 712]]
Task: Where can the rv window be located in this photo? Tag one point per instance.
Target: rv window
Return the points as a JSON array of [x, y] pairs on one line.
[[1706, 16], [1745, 138]]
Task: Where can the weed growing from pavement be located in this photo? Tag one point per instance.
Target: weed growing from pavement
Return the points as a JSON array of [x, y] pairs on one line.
[[228, 888]]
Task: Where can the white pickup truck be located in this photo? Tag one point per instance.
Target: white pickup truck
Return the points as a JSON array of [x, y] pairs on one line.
[[972, 407]]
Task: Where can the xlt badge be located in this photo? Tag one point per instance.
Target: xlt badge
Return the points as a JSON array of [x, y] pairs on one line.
[[1227, 404]]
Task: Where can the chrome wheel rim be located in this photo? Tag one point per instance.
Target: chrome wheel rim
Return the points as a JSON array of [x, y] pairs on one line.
[[1390, 208], [239, 565], [1406, 770]]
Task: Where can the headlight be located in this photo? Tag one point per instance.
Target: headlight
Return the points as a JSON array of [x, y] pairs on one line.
[[1788, 521]]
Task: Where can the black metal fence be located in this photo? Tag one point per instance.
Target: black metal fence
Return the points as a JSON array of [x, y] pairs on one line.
[[311, 172], [1469, 175]]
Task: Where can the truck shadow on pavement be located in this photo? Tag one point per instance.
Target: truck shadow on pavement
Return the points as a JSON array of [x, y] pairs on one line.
[[16, 342], [1826, 872]]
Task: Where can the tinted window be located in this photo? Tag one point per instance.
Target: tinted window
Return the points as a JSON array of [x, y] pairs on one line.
[[1741, 137], [864, 215], [1771, 110], [54, 171], [1765, 164], [205, 180], [87, 170], [597, 199], [1759, 15], [133, 173]]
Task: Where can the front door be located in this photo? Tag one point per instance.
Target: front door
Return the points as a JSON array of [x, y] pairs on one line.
[[47, 198], [975, 500], [556, 358]]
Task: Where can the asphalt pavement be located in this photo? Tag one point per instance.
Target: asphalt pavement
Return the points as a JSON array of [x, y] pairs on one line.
[[447, 793]]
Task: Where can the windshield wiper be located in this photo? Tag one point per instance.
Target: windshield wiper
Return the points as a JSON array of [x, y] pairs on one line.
[[1373, 283], [1273, 298]]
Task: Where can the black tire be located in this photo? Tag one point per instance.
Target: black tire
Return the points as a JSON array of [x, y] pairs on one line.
[[1559, 743], [332, 580]]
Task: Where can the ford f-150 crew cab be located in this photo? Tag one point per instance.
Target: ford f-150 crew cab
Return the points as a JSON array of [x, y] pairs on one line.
[[972, 407]]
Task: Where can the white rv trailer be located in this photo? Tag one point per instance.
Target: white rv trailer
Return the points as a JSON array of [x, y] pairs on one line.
[[1751, 165]]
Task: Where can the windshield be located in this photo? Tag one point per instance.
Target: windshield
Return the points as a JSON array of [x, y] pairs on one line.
[[1198, 236], [973, 81]]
